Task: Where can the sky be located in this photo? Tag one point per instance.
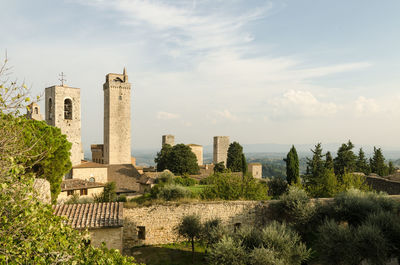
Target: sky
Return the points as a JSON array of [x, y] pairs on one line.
[[284, 72]]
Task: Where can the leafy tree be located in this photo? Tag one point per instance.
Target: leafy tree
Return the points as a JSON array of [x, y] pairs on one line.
[[391, 168], [235, 157], [345, 161], [377, 163], [362, 163], [212, 232], [190, 228], [109, 193], [179, 159], [162, 158], [292, 166], [54, 162]]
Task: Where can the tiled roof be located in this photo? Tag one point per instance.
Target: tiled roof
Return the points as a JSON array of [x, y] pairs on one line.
[[77, 184], [89, 164], [92, 215]]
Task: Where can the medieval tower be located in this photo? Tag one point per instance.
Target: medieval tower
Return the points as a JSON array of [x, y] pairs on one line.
[[63, 110], [117, 119], [220, 152]]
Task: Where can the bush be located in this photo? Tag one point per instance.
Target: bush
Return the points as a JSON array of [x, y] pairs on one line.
[[294, 207], [277, 186], [212, 232], [173, 192], [274, 244], [122, 198], [184, 181], [108, 194]]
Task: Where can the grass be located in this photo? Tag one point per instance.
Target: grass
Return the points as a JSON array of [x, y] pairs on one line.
[[197, 189], [170, 254]]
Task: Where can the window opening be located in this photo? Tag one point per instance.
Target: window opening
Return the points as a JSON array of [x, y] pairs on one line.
[[141, 232], [68, 109]]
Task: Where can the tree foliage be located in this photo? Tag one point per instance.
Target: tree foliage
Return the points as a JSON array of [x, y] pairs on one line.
[[377, 163], [179, 159], [190, 228], [362, 163], [292, 166], [235, 157], [345, 161]]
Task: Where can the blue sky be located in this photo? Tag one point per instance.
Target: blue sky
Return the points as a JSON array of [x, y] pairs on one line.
[[296, 71]]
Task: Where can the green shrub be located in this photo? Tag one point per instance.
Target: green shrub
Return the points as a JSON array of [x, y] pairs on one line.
[[122, 198], [174, 192], [227, 251], [277, 186], [165, 177], [184, 181]]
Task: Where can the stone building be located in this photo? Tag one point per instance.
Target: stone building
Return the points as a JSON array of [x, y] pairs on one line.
[[104, 221], [220, 152], [168, 139], [117, 119], [83, 188], [255, 169], [198, 151], [63, 110], [33, 112]]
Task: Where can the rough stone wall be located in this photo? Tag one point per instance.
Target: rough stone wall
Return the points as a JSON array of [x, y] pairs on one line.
[[198, 151], [98, 173], [381, 184], [55, 117], [97, 153], [168, 139], [160, 220], [220, 152], [63, 196], [111, 236], [42, 187], [117, 119]]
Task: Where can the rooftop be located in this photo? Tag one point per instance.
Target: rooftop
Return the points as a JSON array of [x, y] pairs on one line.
[[92, 215], [76, 184], [89, 164]]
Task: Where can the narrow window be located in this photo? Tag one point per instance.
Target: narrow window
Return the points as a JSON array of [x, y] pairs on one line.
[[120, 97], [141, 232], [50, 109], [68, 109], [70, 192], [83, 192], [36, 110], [236, 227]]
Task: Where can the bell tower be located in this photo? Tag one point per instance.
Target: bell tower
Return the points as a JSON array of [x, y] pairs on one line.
[[63, 110], [117, 119]]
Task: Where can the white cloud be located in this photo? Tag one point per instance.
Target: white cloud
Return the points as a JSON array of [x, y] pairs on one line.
[[227, 115], [162, 115], [365, 106], [300, 104]]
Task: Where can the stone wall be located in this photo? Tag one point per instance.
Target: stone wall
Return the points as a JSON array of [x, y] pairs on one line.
[[198, 151], [85, 173], [63, 196], [159, 221], [382, 184], [42, 187], [111, 236]]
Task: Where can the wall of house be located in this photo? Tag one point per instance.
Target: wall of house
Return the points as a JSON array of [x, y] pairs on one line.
[[98, 173], [62, 197], [111, 236]]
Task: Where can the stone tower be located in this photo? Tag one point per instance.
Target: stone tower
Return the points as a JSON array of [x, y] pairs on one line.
[[63, 110], [168, 139], [33, 112], [220, 152], [117, 119]]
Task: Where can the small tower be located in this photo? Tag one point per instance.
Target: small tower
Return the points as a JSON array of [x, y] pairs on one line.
[[168, 139], [220, 152], [33, 112], [63, 110], [117, 119]]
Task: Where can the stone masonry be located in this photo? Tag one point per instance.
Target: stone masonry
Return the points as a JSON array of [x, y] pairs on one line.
[[117, 119], [63, 110], [198, 151], [220, 152]]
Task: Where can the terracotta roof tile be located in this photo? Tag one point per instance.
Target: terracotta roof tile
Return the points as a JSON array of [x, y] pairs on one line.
[[91, 215]]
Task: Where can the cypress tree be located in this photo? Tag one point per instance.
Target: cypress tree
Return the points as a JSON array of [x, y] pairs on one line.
[[377, 163], [362, 163], [328, 161], [345, 162], [234, 161], [292, 166]]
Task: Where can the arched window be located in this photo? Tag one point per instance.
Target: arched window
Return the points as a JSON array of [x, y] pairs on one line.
[[50, 108], [36, 110], [68, 109]]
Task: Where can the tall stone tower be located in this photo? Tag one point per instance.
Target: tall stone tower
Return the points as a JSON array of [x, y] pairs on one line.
[[220, 152], [117, 119], [63, 110], [168, 139]]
